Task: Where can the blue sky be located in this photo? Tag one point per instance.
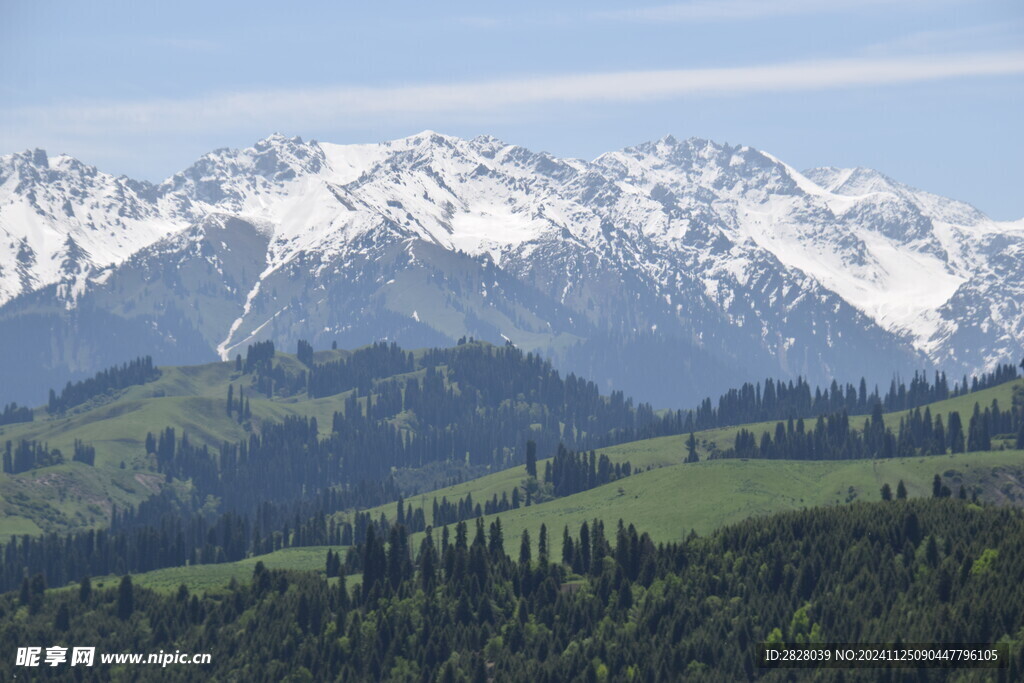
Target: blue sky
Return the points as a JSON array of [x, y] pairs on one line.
[[930, 92]]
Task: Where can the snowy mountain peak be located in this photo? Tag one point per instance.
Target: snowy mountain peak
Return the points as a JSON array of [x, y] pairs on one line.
[[864, 182], [30, 157], [856, 181], [686, 235], [48, 204], [275, 159], [432, 137], [276, 139]]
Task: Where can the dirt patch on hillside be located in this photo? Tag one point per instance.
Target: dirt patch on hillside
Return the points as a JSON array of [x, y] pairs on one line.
[[1000, 485]]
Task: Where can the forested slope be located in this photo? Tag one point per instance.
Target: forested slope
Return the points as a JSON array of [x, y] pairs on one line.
[[404, 423], [478, 604]]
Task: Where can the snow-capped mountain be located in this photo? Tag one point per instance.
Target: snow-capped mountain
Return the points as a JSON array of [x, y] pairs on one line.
[[60, 218], [669, 270]]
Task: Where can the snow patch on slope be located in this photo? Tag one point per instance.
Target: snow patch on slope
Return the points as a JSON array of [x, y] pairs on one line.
[[489, 228]]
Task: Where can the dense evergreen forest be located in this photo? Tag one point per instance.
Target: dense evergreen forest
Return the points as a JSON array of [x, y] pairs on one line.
[[519, 392], [28, 455], [472, 405], [570, 472], [613, 606], [833, 437], [164, 531], [13, 413], [138, 371], [781, 400]]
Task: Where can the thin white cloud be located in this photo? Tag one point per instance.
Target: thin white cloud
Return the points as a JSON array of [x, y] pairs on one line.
[[340, 107], [737, 10], [992, 36]]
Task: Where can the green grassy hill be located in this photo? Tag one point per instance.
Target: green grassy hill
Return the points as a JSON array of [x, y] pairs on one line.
[[665, 498], [710, 476], [671, 498], [213, 577], [190, 399], [72, 495], [669, 501]]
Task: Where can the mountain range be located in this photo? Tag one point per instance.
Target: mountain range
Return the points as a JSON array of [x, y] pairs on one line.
[[669, 270]]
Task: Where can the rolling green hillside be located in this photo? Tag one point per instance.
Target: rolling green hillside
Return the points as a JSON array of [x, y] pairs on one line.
[[665, 498], [472, 406], [191, 399], [707, 476], [213, 577], [670, 500], [926, 570]]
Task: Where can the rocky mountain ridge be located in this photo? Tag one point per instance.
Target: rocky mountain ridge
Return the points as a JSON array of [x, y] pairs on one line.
[[668, 270]]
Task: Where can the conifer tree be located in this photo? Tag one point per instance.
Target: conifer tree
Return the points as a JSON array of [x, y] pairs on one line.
[[62, 622], [938, 437], [524, 548], [302, 613], [331, 569], [38, 584], [584, 550], [496, 540], [125, 598], [956, 433], [427, 560], [305, 353]]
